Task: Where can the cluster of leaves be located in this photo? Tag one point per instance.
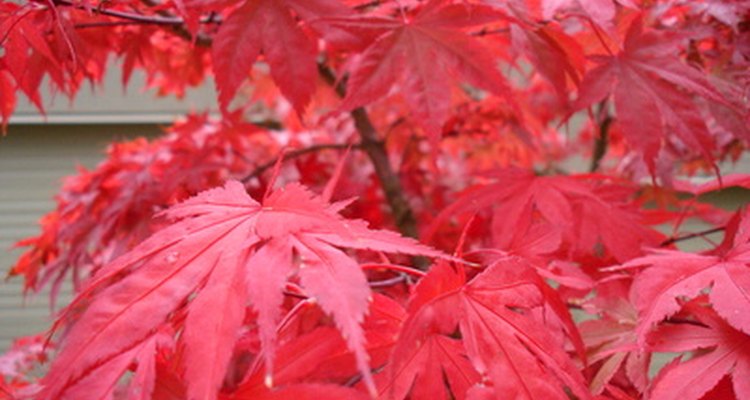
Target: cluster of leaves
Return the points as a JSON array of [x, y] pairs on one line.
[[205, 265]]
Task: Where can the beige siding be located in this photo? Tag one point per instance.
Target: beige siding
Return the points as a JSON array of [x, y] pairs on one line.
[[109, 103], [33, 160]]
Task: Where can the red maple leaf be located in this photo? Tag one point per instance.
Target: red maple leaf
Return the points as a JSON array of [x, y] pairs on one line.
[[611, 341], [721, 350], [269, 27], [320, 355], [423, 55], [584, 210], [672, 275], [223, 250], [653, 94], [501, 339], [426, 357], [557, 56], [599, 11], [7, 97]]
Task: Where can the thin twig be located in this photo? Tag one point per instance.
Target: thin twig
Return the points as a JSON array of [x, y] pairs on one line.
[[294, 154], [389, 282], [108, 24], [693, 235], [146, 19], [601, 143]]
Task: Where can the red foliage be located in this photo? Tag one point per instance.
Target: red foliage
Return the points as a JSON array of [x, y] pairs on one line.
[[206, 266]]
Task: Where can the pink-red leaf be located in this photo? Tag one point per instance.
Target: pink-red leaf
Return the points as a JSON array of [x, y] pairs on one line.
[[673, 275], [690, 380], [223, 250], [422, 56], [268, 26], [580, 209], [652, 91]]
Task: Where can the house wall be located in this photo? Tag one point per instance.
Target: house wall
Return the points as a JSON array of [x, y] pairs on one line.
[[33, 161]]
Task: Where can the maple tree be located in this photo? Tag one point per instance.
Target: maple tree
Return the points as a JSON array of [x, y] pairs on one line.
[[389, 203]]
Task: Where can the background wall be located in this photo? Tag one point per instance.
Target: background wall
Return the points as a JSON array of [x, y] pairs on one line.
[[39, 151], [33, 160]]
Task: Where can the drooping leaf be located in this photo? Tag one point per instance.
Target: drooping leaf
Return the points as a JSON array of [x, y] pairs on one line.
[[557, 56], [652, 90], [207, 261], [724, 351], [7, 98], [672, 275], [422, 56], [499, 334], [321, 355], [583, 210], [269, 27]]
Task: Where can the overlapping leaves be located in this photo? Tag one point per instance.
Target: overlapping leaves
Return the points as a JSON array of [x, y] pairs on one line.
[[224, 249], [483, 335], [672, 275]]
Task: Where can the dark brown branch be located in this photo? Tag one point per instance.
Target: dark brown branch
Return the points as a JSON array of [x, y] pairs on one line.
[[145, 19], [373, 146], [108, 24], [403, 215], [181, 30], [689, 236], [601, 143], [294, 154], [162, 17]]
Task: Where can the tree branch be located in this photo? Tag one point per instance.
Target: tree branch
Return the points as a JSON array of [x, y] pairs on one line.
[[601, 143], [374, 147], [294, 154], [144, 19], [693, 235]]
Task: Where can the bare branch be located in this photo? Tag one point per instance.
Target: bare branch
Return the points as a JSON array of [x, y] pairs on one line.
[[294, 154], [693, 235]]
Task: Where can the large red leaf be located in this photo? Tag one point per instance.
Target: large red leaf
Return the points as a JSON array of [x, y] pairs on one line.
[[585, 210], [652, 91], [672, 275], [269, 26], [423, 55], [500, 336], [516, 351], [729, 354], [426, 357], [207, 260]]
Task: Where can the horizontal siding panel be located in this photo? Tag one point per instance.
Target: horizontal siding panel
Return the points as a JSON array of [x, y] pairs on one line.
[[111, 103], [33, 162]]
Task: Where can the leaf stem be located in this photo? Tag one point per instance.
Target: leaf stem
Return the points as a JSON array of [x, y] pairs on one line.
[[396, 268]]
